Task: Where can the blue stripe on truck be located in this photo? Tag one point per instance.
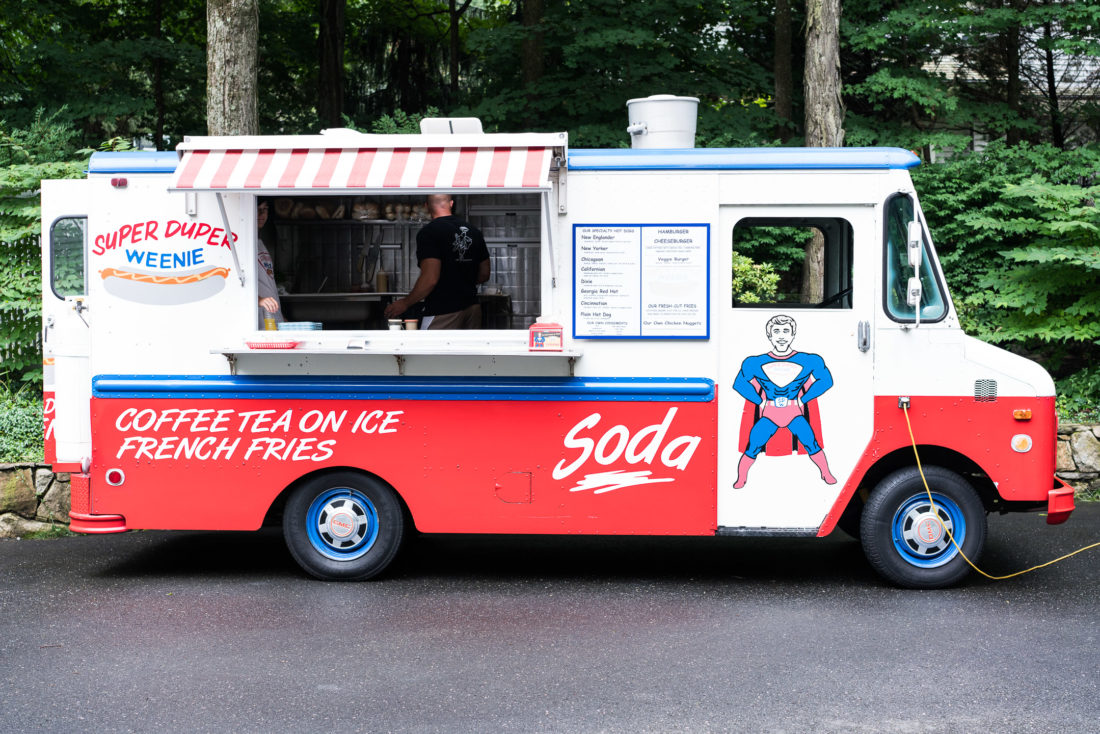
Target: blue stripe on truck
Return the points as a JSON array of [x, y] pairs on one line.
[[659, 389]]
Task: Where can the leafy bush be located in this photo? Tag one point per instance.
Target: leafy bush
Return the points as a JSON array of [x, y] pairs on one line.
[[1079, 397], [753, 282], [20, 424], [45, 150], [1017, 232]]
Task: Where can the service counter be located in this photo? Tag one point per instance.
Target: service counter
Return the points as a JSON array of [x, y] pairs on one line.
[[378, 352]]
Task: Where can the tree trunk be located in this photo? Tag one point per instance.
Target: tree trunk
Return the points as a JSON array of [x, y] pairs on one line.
[[824, 116], [821, 83], [456, 16], [1013, 37], [784, 83], [330, 56], [532, 63], [1057, 129], [159, 106], [232, 38]]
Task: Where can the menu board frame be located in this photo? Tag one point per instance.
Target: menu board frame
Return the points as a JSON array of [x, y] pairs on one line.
[[642, 331]]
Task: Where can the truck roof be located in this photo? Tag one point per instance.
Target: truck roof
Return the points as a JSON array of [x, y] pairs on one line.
[[740, 159]]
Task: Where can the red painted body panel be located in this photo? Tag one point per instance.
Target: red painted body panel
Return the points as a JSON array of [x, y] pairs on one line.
[[611, 467], [980, 430], [49, 447]]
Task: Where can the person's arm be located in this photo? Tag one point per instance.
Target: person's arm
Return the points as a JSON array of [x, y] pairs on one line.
[[430, 268], [484, 269]]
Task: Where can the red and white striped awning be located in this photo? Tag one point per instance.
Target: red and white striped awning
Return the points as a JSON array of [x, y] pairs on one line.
[[355, 169]]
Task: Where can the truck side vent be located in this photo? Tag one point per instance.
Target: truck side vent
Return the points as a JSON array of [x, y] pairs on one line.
[[985, 391]]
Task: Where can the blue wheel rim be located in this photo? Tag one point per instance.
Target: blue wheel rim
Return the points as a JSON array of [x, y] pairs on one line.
[[919, 531], [342, 524]]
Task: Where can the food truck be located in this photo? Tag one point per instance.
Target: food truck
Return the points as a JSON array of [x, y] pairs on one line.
[[648, 362]]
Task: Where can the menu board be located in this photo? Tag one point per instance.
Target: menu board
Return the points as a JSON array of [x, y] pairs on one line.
[[639, 281]]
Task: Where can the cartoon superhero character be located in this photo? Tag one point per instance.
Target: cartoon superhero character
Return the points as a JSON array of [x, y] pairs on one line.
[[782, 385]]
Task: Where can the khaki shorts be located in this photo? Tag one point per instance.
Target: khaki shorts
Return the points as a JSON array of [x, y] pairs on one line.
[[467, 318]]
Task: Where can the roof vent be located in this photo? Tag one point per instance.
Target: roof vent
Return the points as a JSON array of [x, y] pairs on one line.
[[662, 121], [450, 125]]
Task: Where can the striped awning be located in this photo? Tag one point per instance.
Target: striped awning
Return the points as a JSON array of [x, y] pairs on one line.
[[353, 169]]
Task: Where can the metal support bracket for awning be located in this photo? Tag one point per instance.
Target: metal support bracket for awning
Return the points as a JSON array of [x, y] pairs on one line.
[[549, 237], [230, 239]]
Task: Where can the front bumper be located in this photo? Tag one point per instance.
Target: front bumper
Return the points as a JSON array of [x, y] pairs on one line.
[[1059, 502]]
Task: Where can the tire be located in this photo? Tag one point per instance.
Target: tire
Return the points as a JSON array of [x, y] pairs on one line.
[[898, 510], [343, 526]]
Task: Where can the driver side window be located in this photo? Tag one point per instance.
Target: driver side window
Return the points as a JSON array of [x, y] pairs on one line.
[[774, 260]]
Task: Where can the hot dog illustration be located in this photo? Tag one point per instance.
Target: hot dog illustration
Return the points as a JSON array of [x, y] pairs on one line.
[[164, 290]]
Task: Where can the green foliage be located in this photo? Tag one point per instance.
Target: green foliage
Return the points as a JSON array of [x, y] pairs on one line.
[[600, 53], [1050, 286], [45, 150], [780, 250], [1016, 230], [126, 68], [20, 309], [753, 282], [1079, 397], [401, 123], [20, 424]]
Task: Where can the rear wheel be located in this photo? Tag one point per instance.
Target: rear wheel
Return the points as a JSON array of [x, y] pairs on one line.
[[907, 539], [343, 526]]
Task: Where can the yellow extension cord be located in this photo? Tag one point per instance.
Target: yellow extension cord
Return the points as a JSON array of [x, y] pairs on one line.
[[935, 511]]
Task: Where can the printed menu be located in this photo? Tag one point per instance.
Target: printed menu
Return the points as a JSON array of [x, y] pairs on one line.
[[641, 281]]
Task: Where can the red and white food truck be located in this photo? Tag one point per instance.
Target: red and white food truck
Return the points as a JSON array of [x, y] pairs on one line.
[[624, 381]]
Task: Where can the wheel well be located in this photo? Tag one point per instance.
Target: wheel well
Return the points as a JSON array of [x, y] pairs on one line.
[[274, 514], [930, 456]]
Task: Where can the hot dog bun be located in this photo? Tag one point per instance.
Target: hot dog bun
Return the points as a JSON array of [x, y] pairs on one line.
[[163, 290]]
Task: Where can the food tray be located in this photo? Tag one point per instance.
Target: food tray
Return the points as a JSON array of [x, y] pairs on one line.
[[281, 344]]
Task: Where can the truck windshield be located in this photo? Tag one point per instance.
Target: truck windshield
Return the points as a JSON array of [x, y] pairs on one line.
[[933, 305]]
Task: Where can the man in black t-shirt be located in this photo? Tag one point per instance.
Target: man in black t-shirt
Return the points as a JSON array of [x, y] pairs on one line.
[[453, 260]]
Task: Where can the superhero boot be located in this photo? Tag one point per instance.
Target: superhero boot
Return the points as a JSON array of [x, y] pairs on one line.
[[822, 465], [743, 467]]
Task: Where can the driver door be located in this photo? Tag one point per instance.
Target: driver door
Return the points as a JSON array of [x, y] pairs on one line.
[[796, 403]]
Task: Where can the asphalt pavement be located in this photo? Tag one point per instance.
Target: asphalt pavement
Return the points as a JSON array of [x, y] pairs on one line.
[[217, 632]]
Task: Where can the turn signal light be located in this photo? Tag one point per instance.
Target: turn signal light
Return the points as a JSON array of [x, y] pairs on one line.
[[1022, 415]]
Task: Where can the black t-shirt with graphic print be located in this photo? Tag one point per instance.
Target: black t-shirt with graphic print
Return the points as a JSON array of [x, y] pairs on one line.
[[461, 249]]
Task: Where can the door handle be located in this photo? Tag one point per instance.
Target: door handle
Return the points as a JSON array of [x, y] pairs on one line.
[[863, 336]]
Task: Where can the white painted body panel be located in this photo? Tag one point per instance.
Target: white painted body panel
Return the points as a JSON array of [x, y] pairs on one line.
[[207, 336]]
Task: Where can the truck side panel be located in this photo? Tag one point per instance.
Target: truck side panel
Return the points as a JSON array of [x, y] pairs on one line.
[[559, 461]]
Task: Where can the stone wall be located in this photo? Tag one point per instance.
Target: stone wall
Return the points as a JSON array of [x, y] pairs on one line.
[[1079, 457], [34, 499]]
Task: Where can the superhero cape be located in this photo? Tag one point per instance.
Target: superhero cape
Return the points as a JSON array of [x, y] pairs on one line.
[[783, 443]]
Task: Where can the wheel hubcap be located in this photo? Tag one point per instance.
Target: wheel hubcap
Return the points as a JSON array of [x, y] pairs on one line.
[[342, 524], [922, 532]]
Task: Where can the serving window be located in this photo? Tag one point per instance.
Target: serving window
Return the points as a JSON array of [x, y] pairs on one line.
[[338, 260]]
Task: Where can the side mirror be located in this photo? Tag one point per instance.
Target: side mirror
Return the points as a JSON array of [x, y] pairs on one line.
[[915, 245], [913, 293]]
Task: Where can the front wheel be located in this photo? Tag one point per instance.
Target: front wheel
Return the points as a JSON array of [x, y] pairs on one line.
[[343, 526], [907, 539]]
